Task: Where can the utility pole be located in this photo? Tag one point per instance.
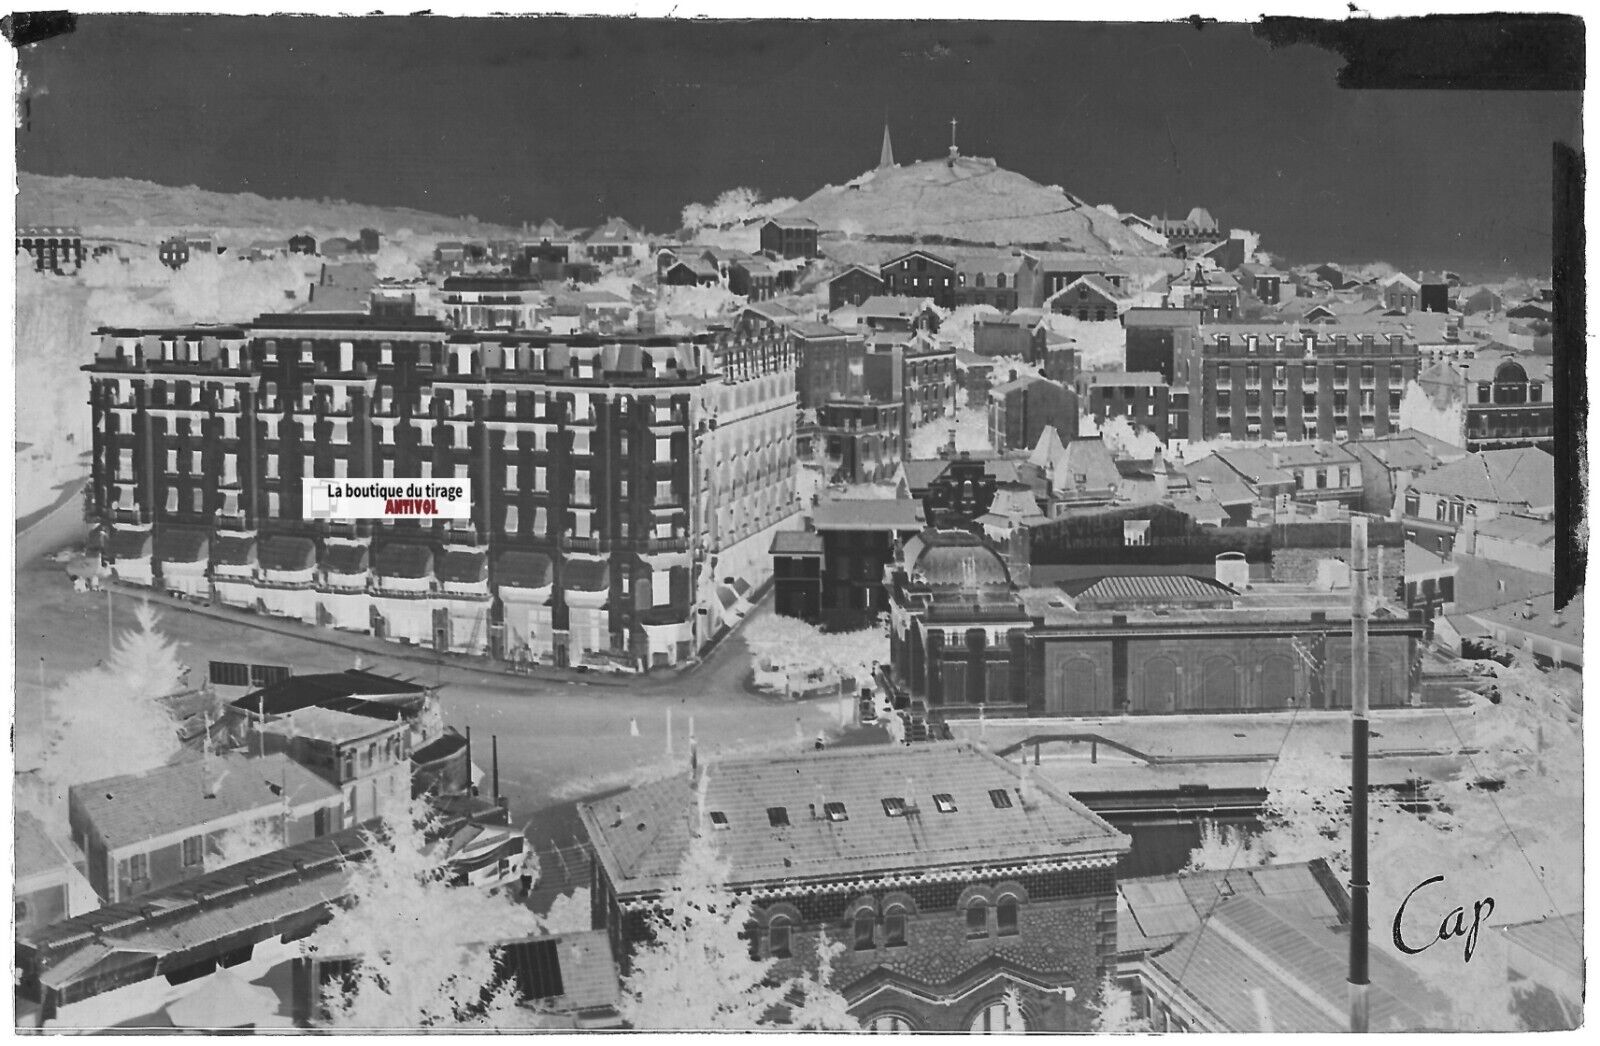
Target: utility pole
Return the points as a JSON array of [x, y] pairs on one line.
[[1360, 669]]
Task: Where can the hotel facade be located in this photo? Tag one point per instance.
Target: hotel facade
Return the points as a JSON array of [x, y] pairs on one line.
[[624, 489]]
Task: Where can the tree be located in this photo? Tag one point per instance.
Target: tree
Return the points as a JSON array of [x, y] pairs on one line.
[[144, 659], [424, 949], [245, 842], [1223, 847], [741, 204], [697, 973], [1113, 1011], [107, 722]]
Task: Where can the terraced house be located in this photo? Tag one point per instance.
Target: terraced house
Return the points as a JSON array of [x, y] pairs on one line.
[[951, 876], [595, 465]]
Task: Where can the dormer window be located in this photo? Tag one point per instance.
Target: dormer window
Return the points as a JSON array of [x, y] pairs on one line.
[[835, 812], [894, 806], [719, 820], [944, 803], [1000, 798], [778, 816]]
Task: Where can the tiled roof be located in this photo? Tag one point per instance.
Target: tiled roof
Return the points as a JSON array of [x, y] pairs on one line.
[[234, 550], [1507, 477], [1259, 962], [343, 557], [814, 329], [796, 543], [641, 835], [1397, 453], [130, 544], [463, 566], [287, 553], [522, 569], [1520, 529], [327, 689], [1153, 588], [868, 514], [135, 807], [882, 305], [792, 223], [403, 560], [182, 545], [921, 472], [36, 852]]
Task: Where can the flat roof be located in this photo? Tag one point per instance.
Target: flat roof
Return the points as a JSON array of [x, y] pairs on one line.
[[868, 514]]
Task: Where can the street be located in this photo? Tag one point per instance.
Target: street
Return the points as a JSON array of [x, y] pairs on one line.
[[559, 740]]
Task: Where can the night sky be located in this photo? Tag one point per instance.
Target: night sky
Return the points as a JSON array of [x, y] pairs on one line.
[[579, 119]]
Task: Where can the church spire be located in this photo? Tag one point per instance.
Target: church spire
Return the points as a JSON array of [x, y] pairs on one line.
[[886, 157]]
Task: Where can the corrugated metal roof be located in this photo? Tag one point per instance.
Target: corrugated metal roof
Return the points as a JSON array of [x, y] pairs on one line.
[[1153, 588]]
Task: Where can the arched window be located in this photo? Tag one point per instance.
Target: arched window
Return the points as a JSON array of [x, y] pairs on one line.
[[997, 1018], [1006, 916], [978, 918], [890, 1024], [778, 937], [866, 925]]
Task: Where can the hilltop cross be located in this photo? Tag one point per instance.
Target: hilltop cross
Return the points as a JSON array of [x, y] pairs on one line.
[[953, 152]]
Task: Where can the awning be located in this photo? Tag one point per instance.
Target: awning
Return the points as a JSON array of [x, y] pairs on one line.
[[586, 575], [464, 566], [404, 561], [342, 558], [182, 545], [233, 550], [522, 569], [130, 544], [287, 553]]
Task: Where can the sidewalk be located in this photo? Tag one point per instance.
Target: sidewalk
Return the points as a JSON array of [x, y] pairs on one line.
[[379, 649]]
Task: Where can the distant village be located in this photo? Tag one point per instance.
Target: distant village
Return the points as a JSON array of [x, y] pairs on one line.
[[1078, 471]]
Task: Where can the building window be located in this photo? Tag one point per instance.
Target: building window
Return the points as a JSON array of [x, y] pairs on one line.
[[978, 919], [944, 803], [865, 928], [890, 1024], [996, 1019], [778, 937], [894, 930], [138, 868], [1006, 917], [835, 812], [192, 851]]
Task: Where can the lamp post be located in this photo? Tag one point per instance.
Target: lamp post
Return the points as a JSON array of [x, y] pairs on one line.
[[1360, 668]]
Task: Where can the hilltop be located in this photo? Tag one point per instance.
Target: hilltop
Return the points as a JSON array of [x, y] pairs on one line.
[[967, 199], [144, 212]]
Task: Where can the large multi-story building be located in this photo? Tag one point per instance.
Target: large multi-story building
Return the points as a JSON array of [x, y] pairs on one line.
[[1143, 398], [509, 302], [919, 274], [859, 440], [53, 248], [1288, 384], [953, 878], [1490, 401], [616, 481], [965, 637], [913, 369]]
